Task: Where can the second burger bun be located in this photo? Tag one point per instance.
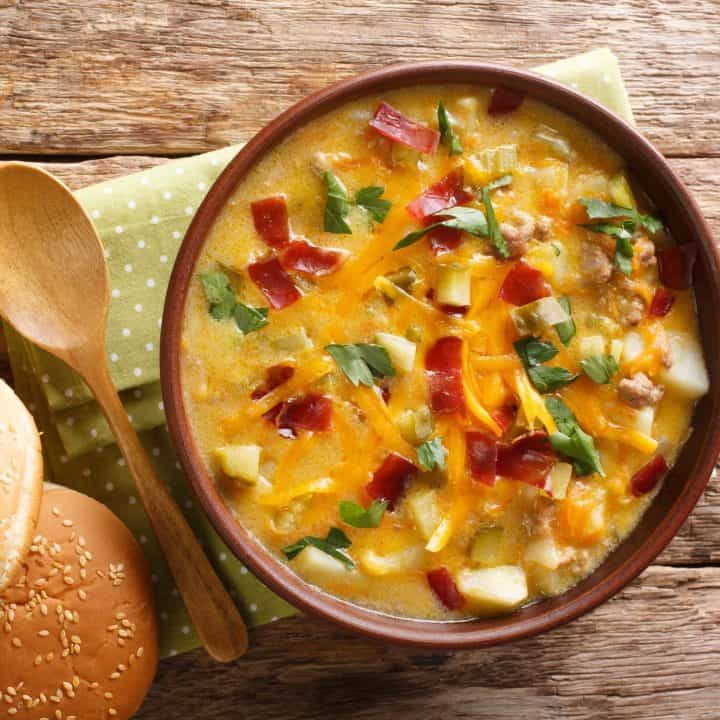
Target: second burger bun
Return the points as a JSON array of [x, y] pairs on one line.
[[78, 630]]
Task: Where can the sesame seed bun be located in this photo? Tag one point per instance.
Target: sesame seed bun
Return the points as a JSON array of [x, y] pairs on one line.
[[78, 630], [21, 482]]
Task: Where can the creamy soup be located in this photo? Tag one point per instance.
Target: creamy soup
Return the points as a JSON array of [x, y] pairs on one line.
[[440, 351]]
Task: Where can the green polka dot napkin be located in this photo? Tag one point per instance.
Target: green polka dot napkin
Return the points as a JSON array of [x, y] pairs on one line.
[[141, 220]]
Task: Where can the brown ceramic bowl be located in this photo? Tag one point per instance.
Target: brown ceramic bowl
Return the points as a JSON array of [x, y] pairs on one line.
[[681, 489]]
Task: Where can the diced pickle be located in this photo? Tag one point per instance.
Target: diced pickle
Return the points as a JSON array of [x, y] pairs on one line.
[[591, 345], [620, 191], [414, 333], [415, 425], [559, 480], [487, 547], [293, 341], [453, 285], [553, 140], [422, 504], [400, 350], [543, 551], [491, 163], [539, 315], [404, 278]]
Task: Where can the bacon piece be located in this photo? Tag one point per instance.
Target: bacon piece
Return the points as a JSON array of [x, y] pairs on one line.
[[675, 266], [528, 458], [274, 283], [648, 476], [523, 284], [392, 124], [504, 100], [445, 193], [272, 414], [308, 412], [661, 303], [391, 478], [443, 366], [271, 220], [504, 416], [482, 455], [444, 239], [444, 587], [304, 257], [274, 377]]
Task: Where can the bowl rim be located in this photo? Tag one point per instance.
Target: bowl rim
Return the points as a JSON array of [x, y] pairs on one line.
[[277, 576]]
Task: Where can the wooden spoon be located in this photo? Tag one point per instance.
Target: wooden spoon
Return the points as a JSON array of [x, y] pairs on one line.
[[54, 291]]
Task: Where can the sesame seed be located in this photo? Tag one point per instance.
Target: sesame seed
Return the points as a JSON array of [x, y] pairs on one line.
[[17, 642], [82, 594], [112, 711], [12, 711], [114, 676], [140, 651], [38, 660], [108, 696], [94, 685], [68, 686], [67, 523], [43, 633]]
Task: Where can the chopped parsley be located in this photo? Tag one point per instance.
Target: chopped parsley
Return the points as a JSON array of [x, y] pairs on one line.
[[471, 220], [222, 303], [338, 204], [532, 352], [432, 454], [600, 368], [571, 440], [493, 227], [599, 209], [566, 329], [250, 318], [447, 134], [369, 199], [335, 541], [357, 516], [362, 362]]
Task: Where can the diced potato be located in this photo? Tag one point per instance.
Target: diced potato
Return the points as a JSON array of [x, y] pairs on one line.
[[241, 462], [591, 345], [633, 345], [423, 508], [400, 349], [498, 588], [487, 546], [620, 191], [553, 176], [454, 285], [616, 349], [401, 561], [687, 375], [490, 163], [644, 419], [559, 480], [543, 551], [554, 141], [538, 315], [415, 425], [321, 162], [317, 566]]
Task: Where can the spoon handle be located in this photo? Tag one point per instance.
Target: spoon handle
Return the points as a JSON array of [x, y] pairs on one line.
[[216, 618]]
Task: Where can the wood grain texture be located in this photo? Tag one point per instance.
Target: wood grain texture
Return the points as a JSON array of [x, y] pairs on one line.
[[102, 77], [148, 79]]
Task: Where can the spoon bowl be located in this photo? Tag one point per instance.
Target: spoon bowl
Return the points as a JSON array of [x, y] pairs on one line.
[[54, 291]]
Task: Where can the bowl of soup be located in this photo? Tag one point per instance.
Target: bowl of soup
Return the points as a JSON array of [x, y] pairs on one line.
[[439, 354]]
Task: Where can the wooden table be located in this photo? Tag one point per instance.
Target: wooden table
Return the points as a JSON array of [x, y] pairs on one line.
[[101, 88]]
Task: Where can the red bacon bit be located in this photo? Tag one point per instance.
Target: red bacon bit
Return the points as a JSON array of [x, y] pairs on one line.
[[274, 283], [272, 414], [274, 377], [648, 476], [392, 124], [443, 366], [504, 416], [309, 412], [444, 587], [529, 458], [445, 193], [523, 284], [271, 220], [444, 239], [661, 303], [675, 266], [504, 100], [482, 455], [454, 310], [391, 478], [304, 257]]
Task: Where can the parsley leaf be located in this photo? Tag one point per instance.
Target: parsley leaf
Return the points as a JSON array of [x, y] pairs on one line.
[[432, 454], [494, 233], [547, 379], [337, 206], [471, 220], [250, 318], [369, 199], [571, 440], [566, 330], [335, 541], [623, 245], [447, 134], [361, 361], [597, 209], [357, 516], [533, 351], [600, 368], [219, 293]]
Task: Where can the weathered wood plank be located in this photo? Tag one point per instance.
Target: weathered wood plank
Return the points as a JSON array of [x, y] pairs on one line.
[[652, 652], [101, 77]]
